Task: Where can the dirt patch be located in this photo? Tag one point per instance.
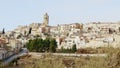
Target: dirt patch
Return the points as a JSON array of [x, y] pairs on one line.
[[69, 63]]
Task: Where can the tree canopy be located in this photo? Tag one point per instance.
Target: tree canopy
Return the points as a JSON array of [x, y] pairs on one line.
[[74, 49], [40, 45]]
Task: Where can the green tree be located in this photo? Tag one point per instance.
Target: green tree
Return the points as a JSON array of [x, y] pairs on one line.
[[74, 49], [36, 45], [30, 29], [3, 31], [46, 44], [40, 45], [29, 45], [53, 45], [119, 29]]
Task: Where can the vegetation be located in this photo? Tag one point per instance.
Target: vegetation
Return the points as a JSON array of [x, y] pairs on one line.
[[119, 29], [3, 31], [71, 50], [74, 49], [40, 45], [30, 29], [50, 61], [53, 45]]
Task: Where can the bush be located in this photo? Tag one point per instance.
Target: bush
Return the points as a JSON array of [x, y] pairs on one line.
[[40, 45], [74, 49]]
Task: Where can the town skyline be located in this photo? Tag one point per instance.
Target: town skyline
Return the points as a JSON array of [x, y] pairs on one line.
[[59, 34], [13, 13]]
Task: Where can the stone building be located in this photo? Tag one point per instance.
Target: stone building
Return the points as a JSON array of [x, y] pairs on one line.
[[46, 19]]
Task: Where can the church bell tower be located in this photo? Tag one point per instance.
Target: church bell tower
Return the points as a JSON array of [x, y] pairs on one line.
[[46, 20]]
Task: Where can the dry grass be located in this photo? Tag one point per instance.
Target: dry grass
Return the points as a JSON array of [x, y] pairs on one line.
[[49, 61], [62, 62]]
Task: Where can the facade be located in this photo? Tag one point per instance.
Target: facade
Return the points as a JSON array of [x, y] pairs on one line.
[[2, 43], [46, 20], [66, 35]]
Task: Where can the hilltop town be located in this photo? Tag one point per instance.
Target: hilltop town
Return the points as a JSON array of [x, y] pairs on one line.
[[94, 34], [66, 34], [60, 34]]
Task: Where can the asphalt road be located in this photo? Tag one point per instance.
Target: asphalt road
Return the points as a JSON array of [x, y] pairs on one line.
[[14, 56]]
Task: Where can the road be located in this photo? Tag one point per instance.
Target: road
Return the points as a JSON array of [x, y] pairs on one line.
[[11, 58], [66, 54]]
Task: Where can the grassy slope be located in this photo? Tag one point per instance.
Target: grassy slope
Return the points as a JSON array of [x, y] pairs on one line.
[[49, 61]]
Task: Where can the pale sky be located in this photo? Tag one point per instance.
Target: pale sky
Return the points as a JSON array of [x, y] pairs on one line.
[[24, 12]]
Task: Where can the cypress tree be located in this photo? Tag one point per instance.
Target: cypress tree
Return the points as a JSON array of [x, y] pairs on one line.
[[74, 49], [30, 29], [3, 32]]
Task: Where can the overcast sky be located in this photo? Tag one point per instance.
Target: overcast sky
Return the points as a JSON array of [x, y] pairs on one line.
[[24, 12]]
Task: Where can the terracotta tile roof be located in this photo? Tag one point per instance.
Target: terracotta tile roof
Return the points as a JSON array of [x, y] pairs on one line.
[[2, 41]]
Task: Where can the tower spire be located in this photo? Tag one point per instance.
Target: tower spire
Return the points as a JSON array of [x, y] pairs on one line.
[[46, 20]]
